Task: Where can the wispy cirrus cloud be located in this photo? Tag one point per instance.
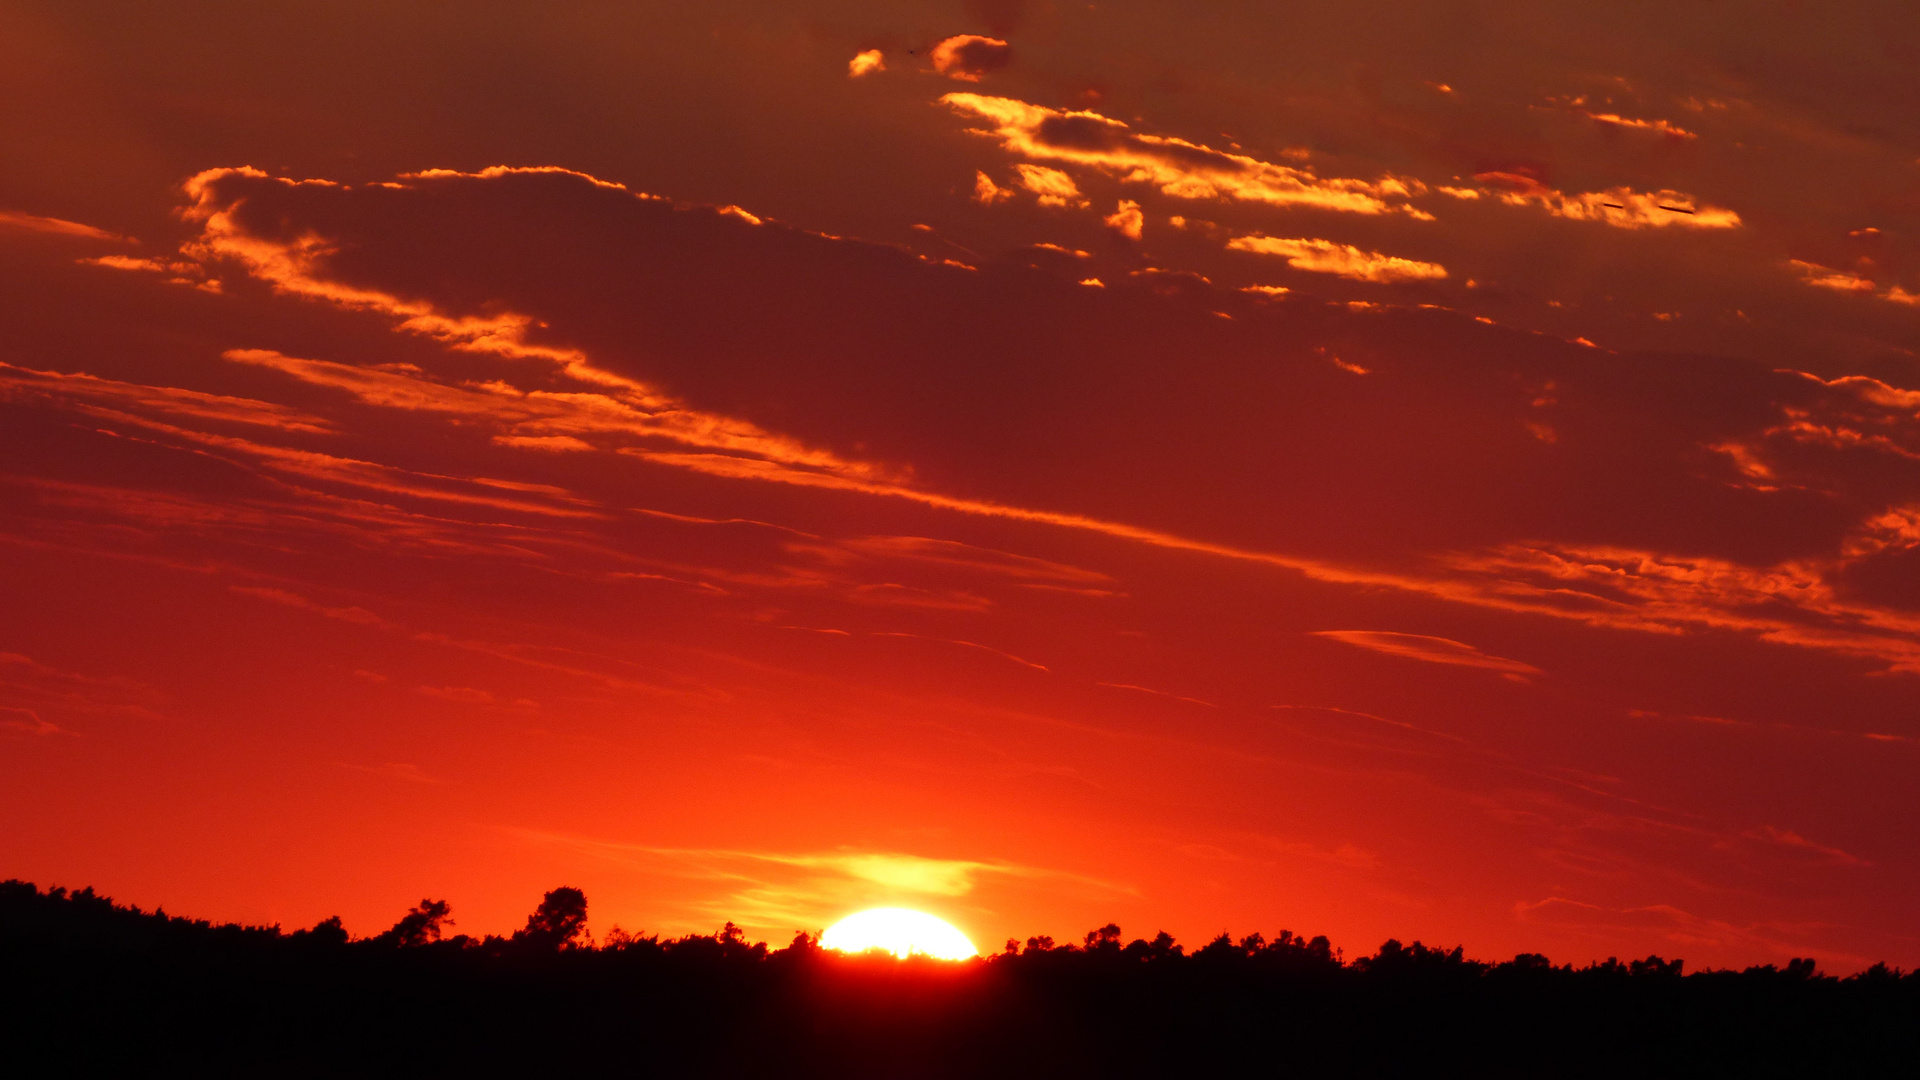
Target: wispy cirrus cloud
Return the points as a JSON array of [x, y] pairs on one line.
[[961, 556], [164, 400], [30, 690], [15, 219], [15, 720], [1800, 603], [1433, 650]]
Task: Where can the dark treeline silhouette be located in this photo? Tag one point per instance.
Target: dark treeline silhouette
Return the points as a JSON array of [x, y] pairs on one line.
[[91, 988]]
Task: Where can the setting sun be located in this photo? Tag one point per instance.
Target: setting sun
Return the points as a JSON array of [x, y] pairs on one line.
[[900, 931]]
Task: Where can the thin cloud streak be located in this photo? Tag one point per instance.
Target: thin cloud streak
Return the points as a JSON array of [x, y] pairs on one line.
[[1432, 650]]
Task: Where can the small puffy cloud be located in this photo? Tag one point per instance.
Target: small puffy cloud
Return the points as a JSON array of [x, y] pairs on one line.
[[1433, 650], [866, 63], [1054, 187], [968, 56], [1327, 257], [1128, 221], [986, 192]]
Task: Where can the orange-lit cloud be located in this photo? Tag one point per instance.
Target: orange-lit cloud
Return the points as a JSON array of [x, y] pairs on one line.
[[967, 57], [1327, 257], [1174, 166], [1127, 220], [1796, 604], [1654, 126], [866, 63], [1054, 187], [986, 192], [1620, 207], [298, 268], [1823, 277]]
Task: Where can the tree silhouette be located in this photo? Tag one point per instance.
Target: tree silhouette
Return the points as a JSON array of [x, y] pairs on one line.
[[328, 931], [96, 988], [560, 922], [420, 926]]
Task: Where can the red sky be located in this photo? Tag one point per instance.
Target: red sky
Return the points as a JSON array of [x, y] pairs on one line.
[[1429, 470]]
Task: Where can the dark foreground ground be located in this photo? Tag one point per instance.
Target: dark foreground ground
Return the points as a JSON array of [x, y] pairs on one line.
[[91, 988]]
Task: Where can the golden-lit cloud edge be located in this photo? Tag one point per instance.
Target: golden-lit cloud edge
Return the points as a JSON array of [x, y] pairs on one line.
[[1174, 166], [1345, 260]]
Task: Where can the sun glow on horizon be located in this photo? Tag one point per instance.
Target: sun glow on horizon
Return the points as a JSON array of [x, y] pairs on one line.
[[900, 931]]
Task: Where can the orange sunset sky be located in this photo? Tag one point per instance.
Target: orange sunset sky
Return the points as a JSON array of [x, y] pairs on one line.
[[1435, 470]]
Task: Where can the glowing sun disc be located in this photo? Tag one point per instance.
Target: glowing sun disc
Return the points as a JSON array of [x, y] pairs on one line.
[[900, 931]]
